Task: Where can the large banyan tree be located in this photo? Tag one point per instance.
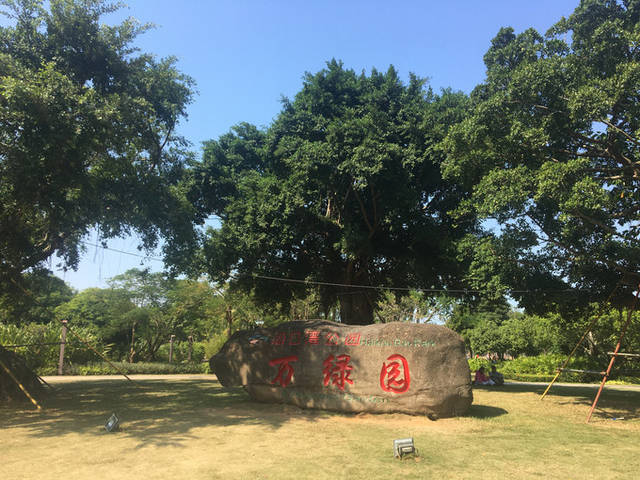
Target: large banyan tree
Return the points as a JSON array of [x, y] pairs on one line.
[[551, 151], [343, 188]]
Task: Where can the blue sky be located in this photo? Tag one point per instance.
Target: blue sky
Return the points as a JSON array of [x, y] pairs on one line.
[[245, 55]]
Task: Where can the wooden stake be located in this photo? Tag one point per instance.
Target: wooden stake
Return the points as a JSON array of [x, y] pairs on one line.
[[101, 356], [63, 342], [171, 348], [615, 354], [593, 322], [24, 390]]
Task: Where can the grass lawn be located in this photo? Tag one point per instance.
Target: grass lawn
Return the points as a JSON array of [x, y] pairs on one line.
[[189, 427]]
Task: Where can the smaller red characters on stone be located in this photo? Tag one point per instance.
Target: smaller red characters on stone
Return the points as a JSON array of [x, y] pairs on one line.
[[313, 337], [337, 370], [332, 339], [279, 338], [394, 376], [295, 338], [285, 370], [352, 339]]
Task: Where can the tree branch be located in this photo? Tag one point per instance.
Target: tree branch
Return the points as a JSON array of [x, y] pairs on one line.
[[605, 227], [615, 127], [375, 208], [364, 213]]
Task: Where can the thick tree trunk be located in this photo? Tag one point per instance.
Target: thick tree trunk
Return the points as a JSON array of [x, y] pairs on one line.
[[356, 304], [356, 308]]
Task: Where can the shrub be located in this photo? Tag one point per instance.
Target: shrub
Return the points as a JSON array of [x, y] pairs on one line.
[[44, 345], [530, 377], [214, 344], [547, 365], [181, 352], [476, 363], [141, 368], [543, 368]]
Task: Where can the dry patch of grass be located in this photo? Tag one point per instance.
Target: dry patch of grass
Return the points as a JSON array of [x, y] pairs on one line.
[[190, 427]]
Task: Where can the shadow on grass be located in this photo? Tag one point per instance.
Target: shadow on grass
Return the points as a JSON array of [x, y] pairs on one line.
[[615, 401], [155, 412], [485, 411]]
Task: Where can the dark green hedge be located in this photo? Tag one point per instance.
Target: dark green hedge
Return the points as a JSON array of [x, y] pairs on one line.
[[147, 368], [543, 368]]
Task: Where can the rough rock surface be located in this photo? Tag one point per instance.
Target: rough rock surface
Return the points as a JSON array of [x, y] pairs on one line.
[[391, 367]]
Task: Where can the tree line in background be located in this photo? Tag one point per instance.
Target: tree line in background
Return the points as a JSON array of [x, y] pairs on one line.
[[525, 189], [130, 321], [134, 319]]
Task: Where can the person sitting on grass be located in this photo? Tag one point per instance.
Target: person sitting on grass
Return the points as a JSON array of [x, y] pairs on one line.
[[496, 376], [481, 378]]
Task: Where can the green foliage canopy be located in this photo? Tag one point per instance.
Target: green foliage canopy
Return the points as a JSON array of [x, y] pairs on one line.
[[551, 151], [87, 134], [105, 312], [36, 303], [344, 187], [141, 310]]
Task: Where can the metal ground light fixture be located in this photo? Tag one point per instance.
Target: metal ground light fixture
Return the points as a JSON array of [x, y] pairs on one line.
[[403, 446], [113, 423]]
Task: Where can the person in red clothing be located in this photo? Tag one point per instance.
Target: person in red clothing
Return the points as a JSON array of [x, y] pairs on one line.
[[482, 378]]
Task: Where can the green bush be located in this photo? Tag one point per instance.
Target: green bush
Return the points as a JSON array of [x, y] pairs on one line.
[[214, 344], [141, 368], [181, 352], [476, 363], [44, 345], [530, 377], [543, 368], [548, 364]]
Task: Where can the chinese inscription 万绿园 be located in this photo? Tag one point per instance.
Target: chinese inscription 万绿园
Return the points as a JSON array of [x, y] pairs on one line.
[[337, 370], [285, 370], [395, 376]]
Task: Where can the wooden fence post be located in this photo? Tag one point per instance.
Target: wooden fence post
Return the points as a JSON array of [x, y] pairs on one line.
[[229, 319], [171, 348], [63, 342]]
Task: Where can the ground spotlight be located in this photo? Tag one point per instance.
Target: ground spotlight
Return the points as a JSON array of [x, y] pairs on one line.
[[112, 424], [403, 447]]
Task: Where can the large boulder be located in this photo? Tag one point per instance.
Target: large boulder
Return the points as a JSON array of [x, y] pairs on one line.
[[391, 367]]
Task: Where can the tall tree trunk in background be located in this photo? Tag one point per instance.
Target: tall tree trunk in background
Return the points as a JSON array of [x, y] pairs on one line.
[[356, 308], [229, 319], [356, 304], [132, 351]]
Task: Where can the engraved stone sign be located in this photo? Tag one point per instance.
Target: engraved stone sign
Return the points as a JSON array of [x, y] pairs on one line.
[[392, 367]]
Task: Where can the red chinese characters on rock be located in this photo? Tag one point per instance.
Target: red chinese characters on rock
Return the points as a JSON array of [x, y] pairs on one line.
[[332, 339], [352, 339], [295, 338], [337, 370], [394, 376], [313, 337], [279, 338], [285, 370]]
